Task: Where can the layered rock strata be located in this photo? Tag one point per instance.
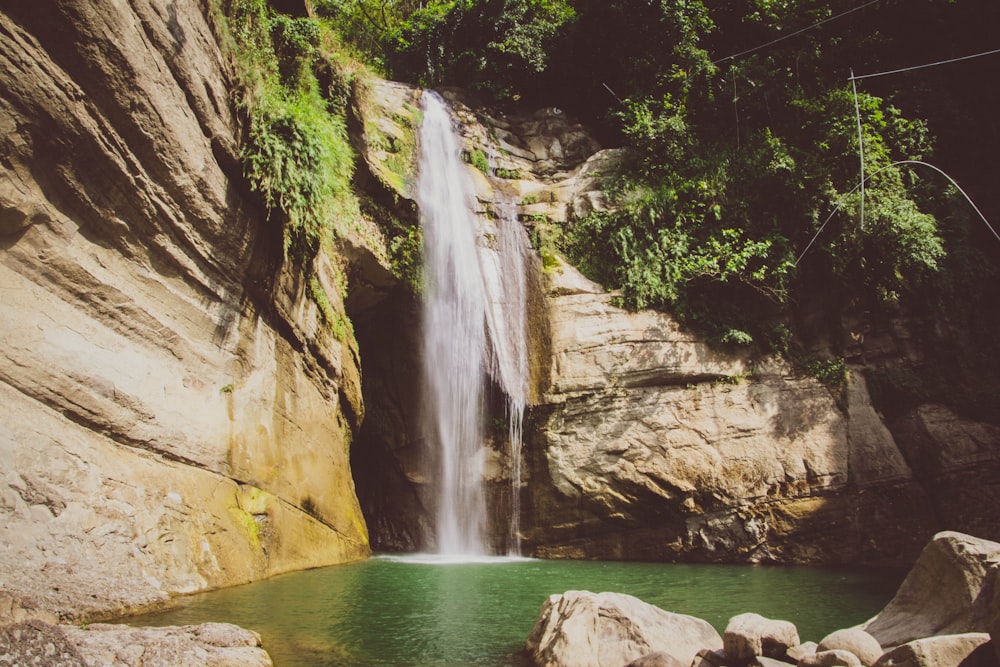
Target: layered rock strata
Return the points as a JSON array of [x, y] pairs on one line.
[[177, 415]]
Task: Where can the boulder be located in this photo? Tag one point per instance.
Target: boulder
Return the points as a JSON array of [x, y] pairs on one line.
[[855, 640], [801, 651], [584, 629], [947, 592], [209, 645], [709, 658], [750, 635], [834, 658], [657, 659], [762, 661], [962, 650]]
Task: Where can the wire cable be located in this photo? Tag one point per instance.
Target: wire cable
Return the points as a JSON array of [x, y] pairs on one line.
[[872, 175], [793, 34], [925, 65]]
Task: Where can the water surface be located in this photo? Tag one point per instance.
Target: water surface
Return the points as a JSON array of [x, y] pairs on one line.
[[434, 612]]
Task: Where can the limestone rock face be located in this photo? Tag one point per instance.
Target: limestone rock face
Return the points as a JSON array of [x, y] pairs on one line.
[[658, 446], [947, 592], [177, 416], [583, 629]]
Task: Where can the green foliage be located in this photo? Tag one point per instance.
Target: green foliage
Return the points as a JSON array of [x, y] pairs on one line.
[[488, 45], [544, 237], [297, 154], [479, 160], [831, 372]]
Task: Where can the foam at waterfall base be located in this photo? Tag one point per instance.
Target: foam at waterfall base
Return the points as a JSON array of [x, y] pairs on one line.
[[452, 559]]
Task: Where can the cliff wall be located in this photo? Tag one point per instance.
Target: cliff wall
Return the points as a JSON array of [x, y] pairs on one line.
[[177, 415], [644, 442]]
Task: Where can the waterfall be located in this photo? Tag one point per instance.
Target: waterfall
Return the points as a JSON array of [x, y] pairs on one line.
[[454, 332], [507, 319], [474, 323]]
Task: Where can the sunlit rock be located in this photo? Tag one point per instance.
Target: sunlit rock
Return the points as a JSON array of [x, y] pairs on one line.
[[750, 635], [855, 640], [965, 650], [583, 629], [947, 592]]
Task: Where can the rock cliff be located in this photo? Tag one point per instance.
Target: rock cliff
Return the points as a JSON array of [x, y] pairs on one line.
[[177, 415], [645, 442]]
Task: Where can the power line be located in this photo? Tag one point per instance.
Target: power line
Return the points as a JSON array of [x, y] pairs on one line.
[[934, 64], [793, 34]]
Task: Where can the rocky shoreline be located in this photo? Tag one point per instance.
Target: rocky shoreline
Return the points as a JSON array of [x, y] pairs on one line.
[[946, 613]]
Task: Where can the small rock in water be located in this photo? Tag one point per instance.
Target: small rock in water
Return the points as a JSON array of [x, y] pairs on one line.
[[855, 640], [750, 635]]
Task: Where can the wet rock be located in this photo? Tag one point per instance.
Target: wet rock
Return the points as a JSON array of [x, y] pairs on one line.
[[584, 629], [750, 635], [855, 640]]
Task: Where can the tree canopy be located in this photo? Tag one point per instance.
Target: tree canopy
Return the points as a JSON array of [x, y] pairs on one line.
[[743, 201]]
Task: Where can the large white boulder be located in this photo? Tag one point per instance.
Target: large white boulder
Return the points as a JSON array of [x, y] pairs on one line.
[[947, 592], [584, 629]]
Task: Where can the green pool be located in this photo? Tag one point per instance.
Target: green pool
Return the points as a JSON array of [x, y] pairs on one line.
[[431, 612]]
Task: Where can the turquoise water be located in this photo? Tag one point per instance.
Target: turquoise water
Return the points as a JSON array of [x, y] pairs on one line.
[[412, 611]]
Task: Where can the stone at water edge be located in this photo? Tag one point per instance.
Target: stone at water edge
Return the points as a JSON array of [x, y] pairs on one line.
[[963, 650], [658, 659], [835, 658], [750, 635], [801, 651], [208, 645], [855, 640], [584, 629], [946, 592]]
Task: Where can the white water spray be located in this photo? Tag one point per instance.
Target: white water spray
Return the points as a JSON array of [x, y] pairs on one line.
[[454, 332], [507, 318], [474, 323]]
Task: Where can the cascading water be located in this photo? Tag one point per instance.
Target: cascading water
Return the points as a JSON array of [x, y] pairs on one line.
[[507, 317], [467, 288], [454, 332]]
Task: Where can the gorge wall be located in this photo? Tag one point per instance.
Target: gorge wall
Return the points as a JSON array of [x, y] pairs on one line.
[[177, 415]]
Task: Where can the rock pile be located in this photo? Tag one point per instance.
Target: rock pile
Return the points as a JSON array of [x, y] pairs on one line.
[[943, 615]]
